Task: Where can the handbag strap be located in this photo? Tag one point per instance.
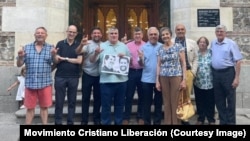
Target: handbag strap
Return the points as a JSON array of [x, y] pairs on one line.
[[184, 97], [181, 97]]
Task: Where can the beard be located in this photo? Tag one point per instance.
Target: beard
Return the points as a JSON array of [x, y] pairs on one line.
[[123, 68]]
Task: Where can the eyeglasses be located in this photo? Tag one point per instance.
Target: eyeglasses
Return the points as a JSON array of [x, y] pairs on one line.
[[71, 32]]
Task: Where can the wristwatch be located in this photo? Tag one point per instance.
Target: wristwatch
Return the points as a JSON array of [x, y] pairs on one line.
[[66, 59]]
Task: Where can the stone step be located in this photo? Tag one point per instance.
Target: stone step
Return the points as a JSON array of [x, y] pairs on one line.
[[20, 114]]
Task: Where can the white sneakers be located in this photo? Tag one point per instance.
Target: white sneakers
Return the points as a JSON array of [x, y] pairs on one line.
[[22, 107]]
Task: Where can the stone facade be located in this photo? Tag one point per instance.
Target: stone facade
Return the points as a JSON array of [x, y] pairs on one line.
[[54, 15], [241, 24], [240, 34], [7, 39], [18, 20]]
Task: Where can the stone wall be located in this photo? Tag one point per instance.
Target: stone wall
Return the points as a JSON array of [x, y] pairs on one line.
[[235, 14], [241, 34], [18, 20], [241, 24], [8, 73], [7, 39]]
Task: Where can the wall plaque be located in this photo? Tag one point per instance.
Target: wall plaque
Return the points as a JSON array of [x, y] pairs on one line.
[[208, 17]]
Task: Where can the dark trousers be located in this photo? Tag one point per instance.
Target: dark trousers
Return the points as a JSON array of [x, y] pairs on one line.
[[63, 86], [151, 96], [112, 94], [205, 104], [225, 95], [133, 84], [90, 84]]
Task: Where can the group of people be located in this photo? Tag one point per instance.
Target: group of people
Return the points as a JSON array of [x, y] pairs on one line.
[[157, 72]]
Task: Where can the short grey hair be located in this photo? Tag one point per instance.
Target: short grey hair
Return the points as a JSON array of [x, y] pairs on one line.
[[112, 29], [151, 28], [223, 27]]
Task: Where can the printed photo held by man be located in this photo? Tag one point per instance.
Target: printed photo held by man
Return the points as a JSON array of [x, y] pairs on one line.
[[113, 86], [123, 65], [108, 63]]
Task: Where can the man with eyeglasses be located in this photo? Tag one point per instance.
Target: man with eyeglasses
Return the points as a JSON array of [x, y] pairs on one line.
[[67, 75]]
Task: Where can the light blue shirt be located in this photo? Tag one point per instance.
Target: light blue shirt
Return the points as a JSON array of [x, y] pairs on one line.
[[108, 48], [150, 61], [224, 54]]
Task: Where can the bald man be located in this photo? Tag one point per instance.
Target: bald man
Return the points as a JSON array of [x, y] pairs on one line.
[[191, 54]]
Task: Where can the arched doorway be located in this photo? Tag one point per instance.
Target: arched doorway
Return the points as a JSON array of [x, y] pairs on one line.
[[123, 14], [135, 15]]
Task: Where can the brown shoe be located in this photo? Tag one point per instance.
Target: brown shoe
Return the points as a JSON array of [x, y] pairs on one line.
[[140, 122], [125, 122], [199, 123]]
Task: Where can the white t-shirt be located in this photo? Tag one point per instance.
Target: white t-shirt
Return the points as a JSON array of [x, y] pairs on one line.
[[21, 87]]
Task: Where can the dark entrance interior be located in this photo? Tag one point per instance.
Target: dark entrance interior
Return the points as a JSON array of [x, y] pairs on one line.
[[123, 14]]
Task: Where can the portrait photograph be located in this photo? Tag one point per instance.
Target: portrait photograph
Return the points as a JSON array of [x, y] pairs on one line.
[[115, 65]]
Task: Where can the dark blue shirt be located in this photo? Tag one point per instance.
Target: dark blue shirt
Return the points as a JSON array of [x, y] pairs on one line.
[[64, 68]]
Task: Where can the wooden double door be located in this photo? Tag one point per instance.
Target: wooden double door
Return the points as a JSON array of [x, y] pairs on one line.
[[123, 14]]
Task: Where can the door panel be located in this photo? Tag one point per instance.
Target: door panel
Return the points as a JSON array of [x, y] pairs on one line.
[[106, 17], [123, 14], [137, 15]]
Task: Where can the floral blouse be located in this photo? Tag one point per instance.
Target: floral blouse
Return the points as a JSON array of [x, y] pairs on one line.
[[170, 60], [204, 78]]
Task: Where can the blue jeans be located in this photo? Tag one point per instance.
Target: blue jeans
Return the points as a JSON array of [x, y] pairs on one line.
[[133, 84], [63, 86], [112, 92], [151, 96], [89, 82]]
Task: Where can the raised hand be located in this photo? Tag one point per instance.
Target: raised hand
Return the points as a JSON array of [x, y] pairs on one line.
[[54, 50], [84, 40], [21, 52], [140, 54], [98, 50], [124, 39]]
